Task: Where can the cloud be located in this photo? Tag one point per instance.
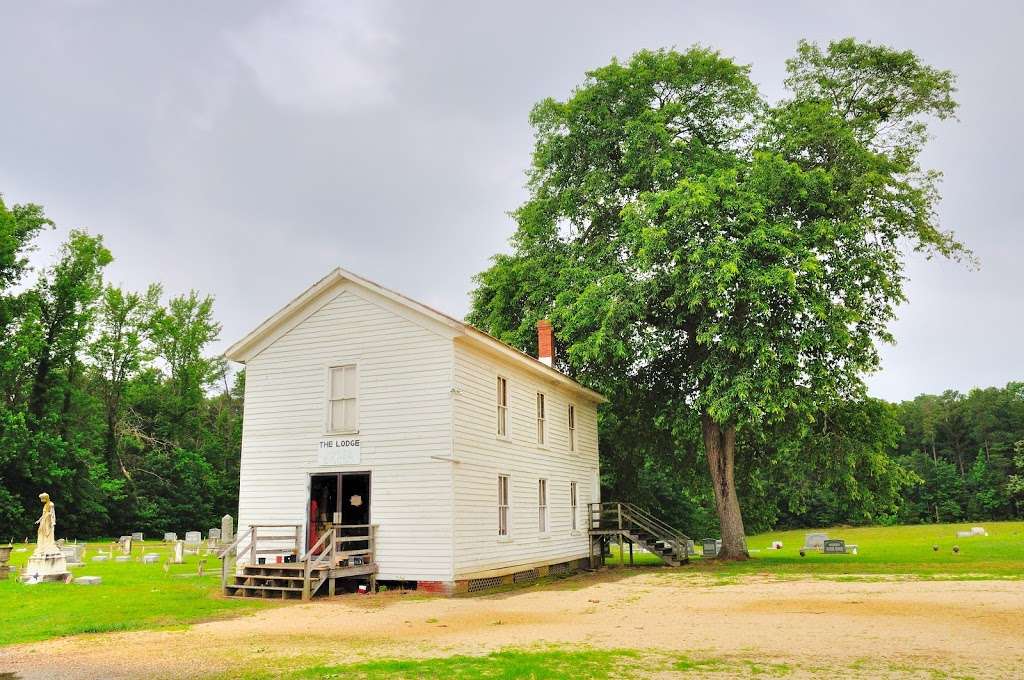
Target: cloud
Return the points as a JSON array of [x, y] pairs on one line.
[[320, 57]]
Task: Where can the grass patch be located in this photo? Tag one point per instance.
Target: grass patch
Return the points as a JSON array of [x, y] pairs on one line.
[[551, 663], [132, 596], [900, 552], [554, 664]]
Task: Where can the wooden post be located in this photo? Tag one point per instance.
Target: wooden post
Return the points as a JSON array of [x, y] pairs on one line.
[[305, 577], [252, 548], [298, 540], [590, 542], [631, 553], [334, 561], [622, 558]]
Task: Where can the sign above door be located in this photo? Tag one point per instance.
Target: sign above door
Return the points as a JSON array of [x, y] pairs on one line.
[[338, 451]]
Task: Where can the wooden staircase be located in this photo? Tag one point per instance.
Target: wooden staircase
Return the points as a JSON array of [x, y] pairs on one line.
[[327, 561], [627, 523]]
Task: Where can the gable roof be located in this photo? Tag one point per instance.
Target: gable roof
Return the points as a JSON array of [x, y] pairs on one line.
[[289, 315]]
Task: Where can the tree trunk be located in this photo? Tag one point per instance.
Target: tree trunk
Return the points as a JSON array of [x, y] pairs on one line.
[[720, 447]]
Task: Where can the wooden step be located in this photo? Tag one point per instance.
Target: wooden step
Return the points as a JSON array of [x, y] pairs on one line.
[[288, 589]]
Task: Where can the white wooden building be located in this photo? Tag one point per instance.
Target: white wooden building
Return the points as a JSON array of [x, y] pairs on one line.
[[473, 461]]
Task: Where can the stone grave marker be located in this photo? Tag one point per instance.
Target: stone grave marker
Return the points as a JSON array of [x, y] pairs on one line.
[[214, 537], [150, 558], [99, 558], [137, 536], [125, 543], [709, 546], [834, 546], [74, 554], [123, 558], [179, 553], [193, 539], [815, 541], [89, 580], [227, 529], [964, 534], [170, 537], [5, 555]]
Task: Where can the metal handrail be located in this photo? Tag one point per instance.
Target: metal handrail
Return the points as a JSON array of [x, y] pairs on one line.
[[664, 526], [627, 515]]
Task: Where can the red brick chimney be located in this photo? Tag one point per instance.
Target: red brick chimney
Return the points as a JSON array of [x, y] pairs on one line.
[[545, 342]]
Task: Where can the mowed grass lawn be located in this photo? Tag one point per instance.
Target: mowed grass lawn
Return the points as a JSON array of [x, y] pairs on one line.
[[900, 550], [132, 596]]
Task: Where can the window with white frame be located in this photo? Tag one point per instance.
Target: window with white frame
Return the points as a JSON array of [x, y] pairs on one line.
[[572, 506], [502, 407], [503, 505], [343, 400], [572, 427], [541, 434], [542, 505]]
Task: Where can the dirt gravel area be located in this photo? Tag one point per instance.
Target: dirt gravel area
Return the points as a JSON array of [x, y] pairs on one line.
[[815, 627]]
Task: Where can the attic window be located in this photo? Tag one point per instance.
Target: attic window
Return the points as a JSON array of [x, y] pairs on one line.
[[343, 401]]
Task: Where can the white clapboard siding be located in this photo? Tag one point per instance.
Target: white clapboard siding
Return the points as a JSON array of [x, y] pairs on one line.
[[405, 414], [482, 456]]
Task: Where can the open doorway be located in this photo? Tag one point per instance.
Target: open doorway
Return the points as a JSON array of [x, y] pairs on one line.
[[338, 498]]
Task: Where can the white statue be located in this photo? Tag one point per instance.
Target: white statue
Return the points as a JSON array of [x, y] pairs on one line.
[[47, 563], [45, 543]]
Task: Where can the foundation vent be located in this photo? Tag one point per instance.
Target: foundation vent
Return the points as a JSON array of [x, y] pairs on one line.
[[524, 576], [562, 568], [478, 584]]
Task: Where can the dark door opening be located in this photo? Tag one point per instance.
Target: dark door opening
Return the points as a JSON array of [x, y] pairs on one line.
[[355, 507], [338, 497]]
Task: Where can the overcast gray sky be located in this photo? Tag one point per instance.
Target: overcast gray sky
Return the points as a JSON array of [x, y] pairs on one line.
[[246, 148]]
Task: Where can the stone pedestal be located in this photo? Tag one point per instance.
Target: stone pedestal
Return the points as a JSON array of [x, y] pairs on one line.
[[48, 566]]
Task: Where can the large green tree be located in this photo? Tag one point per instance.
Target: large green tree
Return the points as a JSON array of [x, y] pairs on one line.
[[719, 255]]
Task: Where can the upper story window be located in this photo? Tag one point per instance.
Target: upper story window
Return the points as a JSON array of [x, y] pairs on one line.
[[343, 400], [502, 407], [572, 427], [541, 424]]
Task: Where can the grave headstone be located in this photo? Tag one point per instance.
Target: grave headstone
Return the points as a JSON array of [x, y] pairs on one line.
[[74, 554], [179, 552], [815, 541], [709, 547], [99, 558], [123, 558], [170, 537], [89, 580], [193, 539], [214, 534], [834, 546], [227, 529], [137, 536], [125, 543], [964, 534], [979, 531], [150, 558]]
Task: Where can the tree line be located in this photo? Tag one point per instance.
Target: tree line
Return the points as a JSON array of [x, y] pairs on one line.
[[111, 402], [951, 457]]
